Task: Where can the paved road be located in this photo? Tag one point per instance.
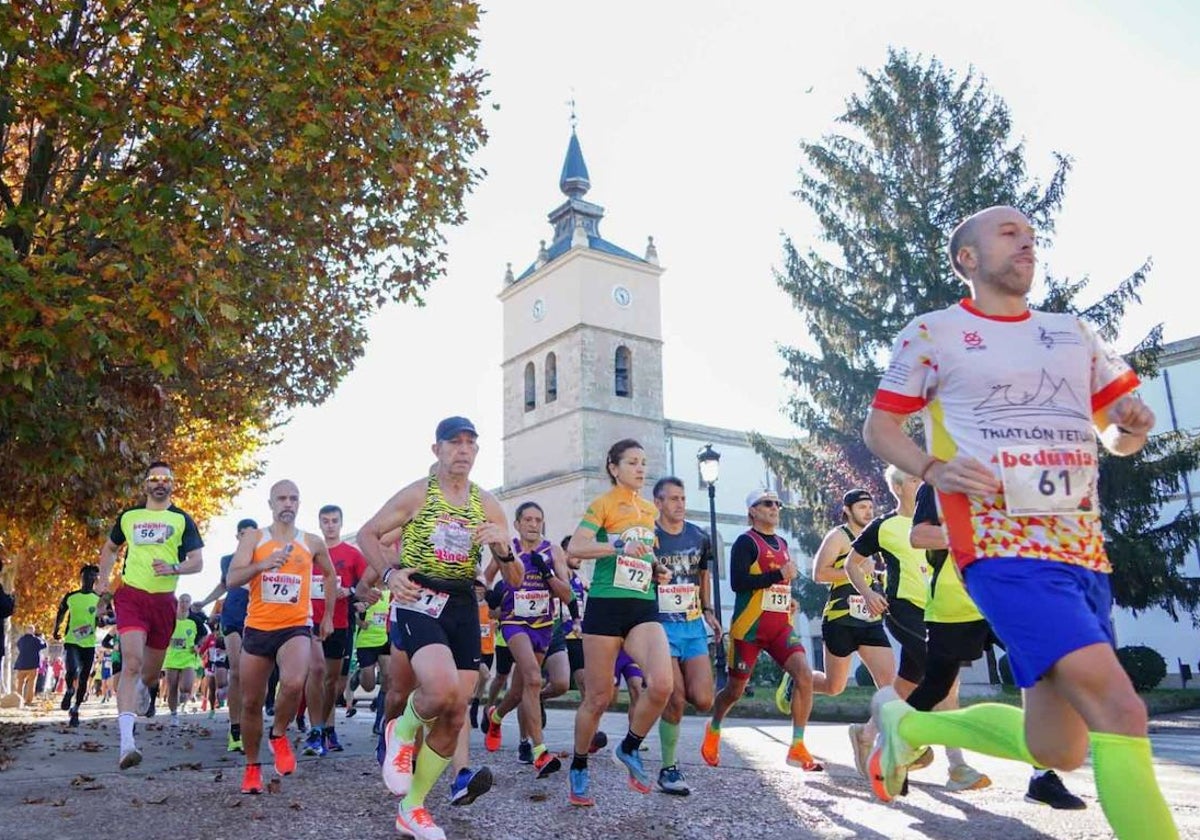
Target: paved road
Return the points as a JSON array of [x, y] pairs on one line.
[[63, 784]]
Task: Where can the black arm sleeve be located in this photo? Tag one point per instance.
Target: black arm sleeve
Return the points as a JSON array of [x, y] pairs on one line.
[[191, 537], [706, 553], [867, 543], [62, 611], [926, 512], [741, 558], [116, 536]]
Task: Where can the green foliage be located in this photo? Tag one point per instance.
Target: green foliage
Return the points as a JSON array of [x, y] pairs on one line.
[[919, 149], [1145, 666]]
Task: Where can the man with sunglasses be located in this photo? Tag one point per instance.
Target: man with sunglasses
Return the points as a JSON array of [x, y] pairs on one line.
[[163, 543], [760, 573]]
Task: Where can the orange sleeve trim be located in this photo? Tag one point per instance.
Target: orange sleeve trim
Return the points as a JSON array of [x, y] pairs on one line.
[[956, 515], [1114, 390], [897, 403]]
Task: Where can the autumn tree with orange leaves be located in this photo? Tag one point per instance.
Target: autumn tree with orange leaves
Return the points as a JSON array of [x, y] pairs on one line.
[[200, 204]]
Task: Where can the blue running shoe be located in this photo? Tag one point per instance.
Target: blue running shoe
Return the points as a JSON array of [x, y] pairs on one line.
[[314, 744], [580, 793], [469, 785], [380, 748], [332, 744], [638, 780]]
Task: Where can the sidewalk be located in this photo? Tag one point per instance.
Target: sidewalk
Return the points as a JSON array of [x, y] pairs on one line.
[[64, 784]]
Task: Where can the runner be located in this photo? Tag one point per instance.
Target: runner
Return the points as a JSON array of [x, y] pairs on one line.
[[446, 520], [233, 623], [328, 654], [527, 623], [617, 531], [760, 574], [79, 607], [1014, 402], [277, 563], [684, 608], [163, 543], [182, 659], [959, 633], [216, 665], [373, 647], [488, 627], [847, 627]]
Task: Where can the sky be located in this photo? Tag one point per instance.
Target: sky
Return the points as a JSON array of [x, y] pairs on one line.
[[690, 118]]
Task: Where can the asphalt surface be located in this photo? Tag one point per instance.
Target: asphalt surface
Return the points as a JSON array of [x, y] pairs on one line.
[[64, 783]]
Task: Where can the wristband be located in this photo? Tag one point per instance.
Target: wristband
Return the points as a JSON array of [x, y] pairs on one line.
[[1130, 432], [709, 609], [928, 466], [387, 573]]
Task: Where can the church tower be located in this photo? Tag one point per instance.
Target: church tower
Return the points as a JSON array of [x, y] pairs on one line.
[[582, 360]]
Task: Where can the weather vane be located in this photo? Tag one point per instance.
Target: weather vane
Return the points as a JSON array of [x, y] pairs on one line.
[[571, 104]]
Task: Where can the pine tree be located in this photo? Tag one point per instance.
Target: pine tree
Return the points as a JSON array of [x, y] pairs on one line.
[[920, 149]]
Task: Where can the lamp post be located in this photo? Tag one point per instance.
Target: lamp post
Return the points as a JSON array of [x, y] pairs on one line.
[[710, 467]]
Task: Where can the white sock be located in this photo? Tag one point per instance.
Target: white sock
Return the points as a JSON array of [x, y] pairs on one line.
[[125, 721], [1039, 772], [955, 756]]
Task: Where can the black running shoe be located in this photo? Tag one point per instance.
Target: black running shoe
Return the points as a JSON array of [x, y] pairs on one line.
[[1048, 789], [525, 752]]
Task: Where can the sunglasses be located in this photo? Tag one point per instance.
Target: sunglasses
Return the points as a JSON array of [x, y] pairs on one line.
[[769, 503], [159, 479]]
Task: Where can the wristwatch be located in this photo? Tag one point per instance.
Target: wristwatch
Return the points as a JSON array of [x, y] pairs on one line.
[[618, 545]]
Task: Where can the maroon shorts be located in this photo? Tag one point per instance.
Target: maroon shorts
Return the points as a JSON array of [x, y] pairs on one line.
[[151, 612], [743, 653]]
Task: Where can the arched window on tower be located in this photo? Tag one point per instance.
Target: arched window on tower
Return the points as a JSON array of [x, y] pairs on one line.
[[623, 372], [551, 377], [530, 388]]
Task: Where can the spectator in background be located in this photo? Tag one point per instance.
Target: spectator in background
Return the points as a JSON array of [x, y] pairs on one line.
[[29, 657], [7, 604]]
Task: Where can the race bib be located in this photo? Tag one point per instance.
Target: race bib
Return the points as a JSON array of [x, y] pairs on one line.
[[280, 588], [858, 608], [179, 644], [151, 533], [317, 591], [1049, 480], [677, 598], [379, 619], [451, 541], [777, 598], [533, 603], [82, 632], [485, 631], [428, 603], [633, 574]]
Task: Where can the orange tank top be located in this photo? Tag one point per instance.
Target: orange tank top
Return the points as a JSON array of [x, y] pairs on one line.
[[487, 636], [280, 599]]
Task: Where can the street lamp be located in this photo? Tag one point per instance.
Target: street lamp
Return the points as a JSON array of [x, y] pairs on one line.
[[710, 466]]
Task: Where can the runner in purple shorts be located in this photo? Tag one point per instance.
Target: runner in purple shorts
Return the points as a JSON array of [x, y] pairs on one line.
[[635, 680]]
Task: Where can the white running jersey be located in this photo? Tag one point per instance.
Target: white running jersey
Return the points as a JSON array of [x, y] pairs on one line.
[[1023, 394]]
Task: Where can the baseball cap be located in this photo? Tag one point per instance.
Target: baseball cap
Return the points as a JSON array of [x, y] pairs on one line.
[[856, 495], [761, 495], [246, 523], [451, 426]]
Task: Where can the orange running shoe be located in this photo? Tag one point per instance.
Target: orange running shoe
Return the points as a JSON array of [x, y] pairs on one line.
[[799, 756], [285, 759], [252, 779], [710, 749], [493, 737], [546, 763]]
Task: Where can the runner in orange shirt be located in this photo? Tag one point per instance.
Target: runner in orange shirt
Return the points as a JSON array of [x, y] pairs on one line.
[[277, 563]]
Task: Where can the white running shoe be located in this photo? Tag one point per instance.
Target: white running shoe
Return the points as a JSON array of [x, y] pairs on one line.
[[397, 761], [417, 823]]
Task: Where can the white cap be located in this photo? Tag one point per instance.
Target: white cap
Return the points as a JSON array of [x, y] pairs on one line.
[[761, 495]]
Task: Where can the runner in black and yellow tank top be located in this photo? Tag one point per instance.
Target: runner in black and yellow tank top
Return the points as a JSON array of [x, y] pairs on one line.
[[446, 520]]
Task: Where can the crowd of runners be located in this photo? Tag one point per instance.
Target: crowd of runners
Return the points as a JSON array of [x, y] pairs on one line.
[[464, 618]]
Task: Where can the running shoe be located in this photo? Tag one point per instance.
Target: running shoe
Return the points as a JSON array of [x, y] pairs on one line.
[[285, 759], [783, 695], [397, 760], [580, 788], [546, 763], [252, 782], [860, 744], [888, 764], [131, 757], [1048, 789], [965, 777], [923, 760], [351, 712], [380, 747], [73, 717], [710, 748], [416, 823], [153, 701], [314, 744], [599, 742], [301, 723], [212, 713], [332, 744], [493, 737], [142, 700], [525, 752], [469, 785], [233, 745], [66, 701], [670, 780], [175, 720], [638, 778], [799, 756]]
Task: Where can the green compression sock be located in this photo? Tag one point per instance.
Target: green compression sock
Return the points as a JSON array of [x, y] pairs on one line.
[[409, 722], [668, 736], [429, 768], [1129, 793], [989, 728]]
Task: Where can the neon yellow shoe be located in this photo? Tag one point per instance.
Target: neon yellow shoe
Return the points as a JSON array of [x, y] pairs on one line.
[[888, 764], [783, 695]]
